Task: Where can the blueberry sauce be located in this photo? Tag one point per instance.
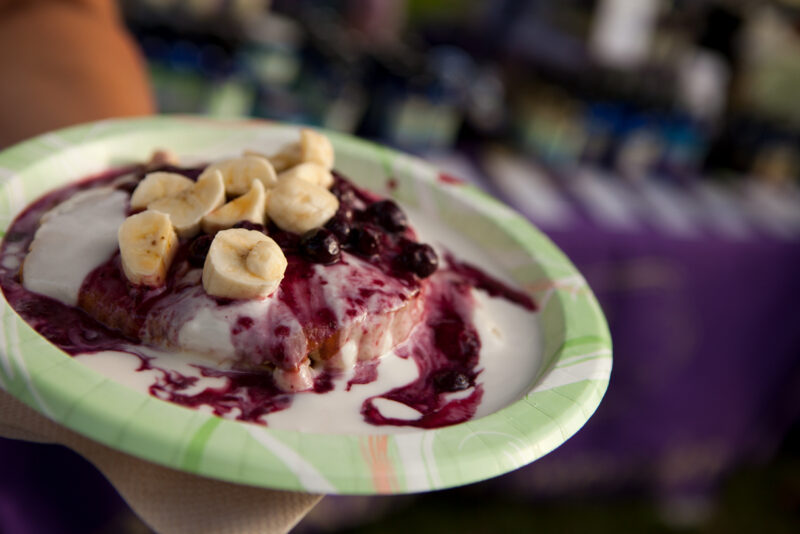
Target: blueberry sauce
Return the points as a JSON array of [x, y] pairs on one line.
[[494, 287], [198, 250], [450, 179], [192, 173], [252, 393], [448, 345], [365, 372], [441, 338]]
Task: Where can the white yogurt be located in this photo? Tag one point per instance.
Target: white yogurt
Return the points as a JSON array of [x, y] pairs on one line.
[[73, 239]]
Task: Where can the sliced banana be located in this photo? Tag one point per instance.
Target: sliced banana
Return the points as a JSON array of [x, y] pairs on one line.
[[288, 157], [310, 172], [260, 260], [187, 208], [249, 207], [243, 264], [298, 206], [147, 246], [162, 157], [313, 147], [255, 154], [316, 148], [239, 173], [158, 185]]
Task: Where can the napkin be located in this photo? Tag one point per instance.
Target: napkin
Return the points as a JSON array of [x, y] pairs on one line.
[[169, 501]]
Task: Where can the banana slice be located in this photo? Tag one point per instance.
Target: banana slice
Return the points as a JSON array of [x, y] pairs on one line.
[[316, 148], [249, 207], [158, 185], [288, 157], [312, 147], [257, 154], [299, 206], [310, 172], [239, 173], [243, 264], [162, 157], [187, 208], [147, 246]]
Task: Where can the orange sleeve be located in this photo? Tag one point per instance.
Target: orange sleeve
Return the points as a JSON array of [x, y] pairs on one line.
[[64, 62]]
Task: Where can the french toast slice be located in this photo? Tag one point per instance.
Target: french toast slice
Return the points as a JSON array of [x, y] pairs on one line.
[[326, 317]]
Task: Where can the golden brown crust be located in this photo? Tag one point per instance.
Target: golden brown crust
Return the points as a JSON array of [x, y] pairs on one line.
[[94, 302], [370, 334]]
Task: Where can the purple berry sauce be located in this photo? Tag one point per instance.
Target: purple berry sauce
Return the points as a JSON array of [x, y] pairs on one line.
[[444, 345], [449, 179], [494, 287]]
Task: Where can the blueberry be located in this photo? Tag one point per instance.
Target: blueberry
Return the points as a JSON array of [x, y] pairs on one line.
[[198, 250], [451, 380], [288, 241], [344, 193], [345, 213], [387, 215], [365, 240], [340, 225], [420, 259], [248, 225], [320, 245]]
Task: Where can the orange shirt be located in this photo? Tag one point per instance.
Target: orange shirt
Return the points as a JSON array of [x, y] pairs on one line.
[[64, 62]]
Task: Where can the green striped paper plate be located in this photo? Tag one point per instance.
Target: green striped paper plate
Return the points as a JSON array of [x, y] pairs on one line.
[[563, 394]]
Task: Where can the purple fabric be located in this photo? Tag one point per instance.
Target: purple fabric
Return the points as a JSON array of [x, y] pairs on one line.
[[706, 337], [48, 489]]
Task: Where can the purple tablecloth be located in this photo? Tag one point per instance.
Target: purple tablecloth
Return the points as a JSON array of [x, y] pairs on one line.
[[705, 324], [48, 489]]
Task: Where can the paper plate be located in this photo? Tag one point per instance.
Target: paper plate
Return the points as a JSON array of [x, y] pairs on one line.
[[563, 394]]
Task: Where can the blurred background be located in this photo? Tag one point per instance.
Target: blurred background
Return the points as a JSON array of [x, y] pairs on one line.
[[657, 142]]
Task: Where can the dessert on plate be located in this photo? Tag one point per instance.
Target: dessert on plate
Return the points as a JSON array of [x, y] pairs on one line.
[[275, 268]]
